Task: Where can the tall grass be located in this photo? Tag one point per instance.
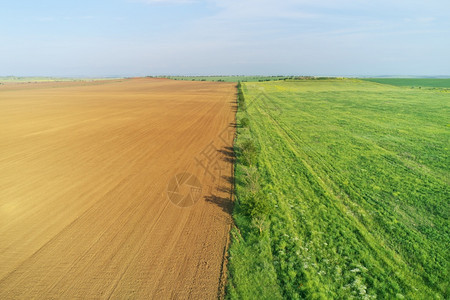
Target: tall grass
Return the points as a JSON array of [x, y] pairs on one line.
[[352, 178]]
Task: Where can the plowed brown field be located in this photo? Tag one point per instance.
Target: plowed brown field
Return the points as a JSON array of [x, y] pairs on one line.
[[84, 202]]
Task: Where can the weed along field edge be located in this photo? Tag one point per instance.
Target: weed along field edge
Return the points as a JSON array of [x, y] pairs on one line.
[[341, 191]]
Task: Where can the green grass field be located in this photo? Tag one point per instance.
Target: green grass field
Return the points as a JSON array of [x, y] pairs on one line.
[[414, 82], [342, 191]]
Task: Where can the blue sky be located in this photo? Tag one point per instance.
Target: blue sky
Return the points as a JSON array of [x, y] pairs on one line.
[[205, 37]]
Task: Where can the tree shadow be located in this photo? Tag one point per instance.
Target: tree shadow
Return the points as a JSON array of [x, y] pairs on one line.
[[229, 179], [227, 151], [225, 189], [228, 154], [223, 203]]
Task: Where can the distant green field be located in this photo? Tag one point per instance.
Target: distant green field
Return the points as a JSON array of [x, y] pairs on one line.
[[228, 78], [414, 82], [342, 191]]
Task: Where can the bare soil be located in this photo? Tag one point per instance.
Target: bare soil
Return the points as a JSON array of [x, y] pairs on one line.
[[84, 202]]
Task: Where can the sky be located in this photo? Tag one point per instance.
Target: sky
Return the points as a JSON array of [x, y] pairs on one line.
[[98, 38]]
